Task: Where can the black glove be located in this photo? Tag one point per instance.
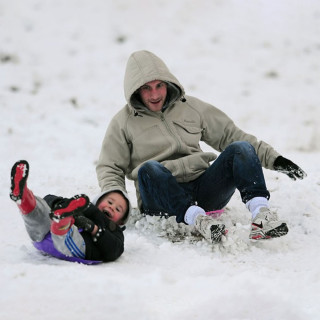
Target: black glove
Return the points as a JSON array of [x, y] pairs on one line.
[[84, 223], [87, 225], [88, 218], [286, 166]]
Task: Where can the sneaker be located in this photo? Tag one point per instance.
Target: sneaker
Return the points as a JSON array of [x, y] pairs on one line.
[[266, 225], [69, 207], [19, 176], [210, 229]]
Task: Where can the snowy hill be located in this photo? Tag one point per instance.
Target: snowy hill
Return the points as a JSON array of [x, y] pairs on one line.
[[61, 80]]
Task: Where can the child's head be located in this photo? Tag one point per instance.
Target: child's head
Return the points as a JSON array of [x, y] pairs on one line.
[[115, 205]]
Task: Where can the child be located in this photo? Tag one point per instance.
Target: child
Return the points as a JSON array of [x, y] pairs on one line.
[[72, 229]]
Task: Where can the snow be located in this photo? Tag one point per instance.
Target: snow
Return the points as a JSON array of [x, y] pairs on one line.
[[61, 79]]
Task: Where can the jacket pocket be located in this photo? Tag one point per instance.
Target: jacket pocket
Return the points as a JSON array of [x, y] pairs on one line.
[[151, 143], [190, 135]]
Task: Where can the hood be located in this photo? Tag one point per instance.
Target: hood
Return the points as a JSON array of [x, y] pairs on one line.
[[96, 199], [144, 66]]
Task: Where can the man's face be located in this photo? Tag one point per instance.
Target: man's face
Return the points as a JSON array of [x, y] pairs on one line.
[[153, 94], [114, 206]]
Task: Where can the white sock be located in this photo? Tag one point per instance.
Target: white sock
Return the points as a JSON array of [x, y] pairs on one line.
[[255, 204], [192, 213]]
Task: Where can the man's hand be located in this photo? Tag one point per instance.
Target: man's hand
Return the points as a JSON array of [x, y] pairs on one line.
[[286, 166]]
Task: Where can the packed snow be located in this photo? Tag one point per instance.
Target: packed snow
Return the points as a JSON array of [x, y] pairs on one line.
[[62, 65]]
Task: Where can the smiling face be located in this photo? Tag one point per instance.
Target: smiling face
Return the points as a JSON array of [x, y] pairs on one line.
[[153, 94], [114, 206]]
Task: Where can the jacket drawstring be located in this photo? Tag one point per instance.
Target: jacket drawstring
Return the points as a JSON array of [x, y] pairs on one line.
[[136, 114]]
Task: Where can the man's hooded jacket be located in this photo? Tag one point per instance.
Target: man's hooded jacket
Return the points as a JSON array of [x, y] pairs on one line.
[[171, 136]]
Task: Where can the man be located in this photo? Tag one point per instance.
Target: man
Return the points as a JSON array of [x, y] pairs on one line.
[[154, 140]]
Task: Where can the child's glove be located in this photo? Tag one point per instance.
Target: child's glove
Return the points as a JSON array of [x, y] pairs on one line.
[[286, 166], [84, 223], [88, 225]]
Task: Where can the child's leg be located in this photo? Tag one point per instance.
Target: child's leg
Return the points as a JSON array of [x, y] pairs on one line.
[[35, 211], [37, 222], [20, 193], [71, 243], [65, 235]]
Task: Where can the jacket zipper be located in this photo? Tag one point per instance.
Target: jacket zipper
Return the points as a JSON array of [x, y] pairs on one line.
[[163, 119]]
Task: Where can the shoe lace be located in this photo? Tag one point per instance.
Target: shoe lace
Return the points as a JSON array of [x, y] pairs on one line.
[[270, 215]]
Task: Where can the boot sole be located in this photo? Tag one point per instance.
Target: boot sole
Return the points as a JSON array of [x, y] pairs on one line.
[[280, 231], [277, 232], [18, 183], [70, 207], [217, 231]]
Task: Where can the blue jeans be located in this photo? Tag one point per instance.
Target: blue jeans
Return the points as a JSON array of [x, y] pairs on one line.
[[237, 167]]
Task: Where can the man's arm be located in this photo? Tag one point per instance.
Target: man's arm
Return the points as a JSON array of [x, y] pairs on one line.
[[114, 158], [221, 131]]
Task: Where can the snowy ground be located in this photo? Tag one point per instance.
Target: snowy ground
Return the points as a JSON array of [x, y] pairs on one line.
[[61, 79]]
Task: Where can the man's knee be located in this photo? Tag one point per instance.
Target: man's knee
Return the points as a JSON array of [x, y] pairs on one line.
[[148, 168], [241, 146]]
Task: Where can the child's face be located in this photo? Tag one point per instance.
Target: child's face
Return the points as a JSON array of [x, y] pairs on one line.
[[114, 206]]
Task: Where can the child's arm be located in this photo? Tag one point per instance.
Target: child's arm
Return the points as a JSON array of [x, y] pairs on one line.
[[106, 235]]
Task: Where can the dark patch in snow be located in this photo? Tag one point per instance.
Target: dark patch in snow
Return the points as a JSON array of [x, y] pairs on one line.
[[272, 74], [74, 102], [14, 89], [121, 39], [8, 58]]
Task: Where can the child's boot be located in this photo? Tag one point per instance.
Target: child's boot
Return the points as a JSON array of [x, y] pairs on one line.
[[63, 211], [19, 190]]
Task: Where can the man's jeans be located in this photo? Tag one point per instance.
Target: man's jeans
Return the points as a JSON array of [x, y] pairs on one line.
[[237, 167]]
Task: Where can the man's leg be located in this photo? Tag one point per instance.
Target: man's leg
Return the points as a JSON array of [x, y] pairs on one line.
[[237, 167], [160, 192]]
